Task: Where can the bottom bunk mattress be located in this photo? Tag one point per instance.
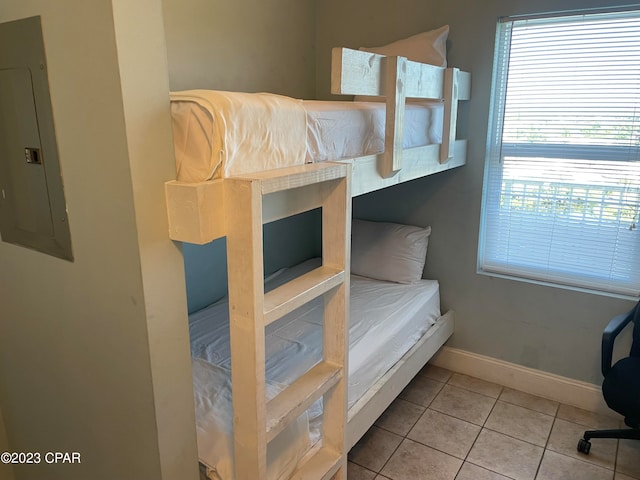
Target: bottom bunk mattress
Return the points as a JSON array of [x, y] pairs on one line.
[[386, 320]]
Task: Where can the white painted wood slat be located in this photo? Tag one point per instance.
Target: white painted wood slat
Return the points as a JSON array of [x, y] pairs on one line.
[[299, 396], [256, 422], [450, 114], [336, 251], [362, 73], [246, 327], [299, 291], [395, 80], [323, 465], [287, 178]]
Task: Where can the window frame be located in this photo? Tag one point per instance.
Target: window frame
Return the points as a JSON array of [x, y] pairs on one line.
[[496, 148]]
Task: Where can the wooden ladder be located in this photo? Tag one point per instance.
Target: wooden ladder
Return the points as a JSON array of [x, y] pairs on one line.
[[255, 421]]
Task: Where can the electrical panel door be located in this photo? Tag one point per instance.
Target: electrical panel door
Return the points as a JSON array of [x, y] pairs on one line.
[[32, 205]]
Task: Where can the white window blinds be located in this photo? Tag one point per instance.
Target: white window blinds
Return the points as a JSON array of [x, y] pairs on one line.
[[562, 184]]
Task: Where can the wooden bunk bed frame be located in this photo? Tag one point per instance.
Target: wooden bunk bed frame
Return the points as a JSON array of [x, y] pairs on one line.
[[237, 207]]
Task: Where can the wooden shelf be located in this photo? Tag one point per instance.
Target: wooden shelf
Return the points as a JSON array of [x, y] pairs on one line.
[[286, 298], [280, 179], [321, 466], [299, 396]]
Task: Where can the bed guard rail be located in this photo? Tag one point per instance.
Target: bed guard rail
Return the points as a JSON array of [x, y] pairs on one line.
[[354, 72]]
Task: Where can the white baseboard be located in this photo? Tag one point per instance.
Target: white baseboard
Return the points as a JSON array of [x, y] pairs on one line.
[[536, 382]]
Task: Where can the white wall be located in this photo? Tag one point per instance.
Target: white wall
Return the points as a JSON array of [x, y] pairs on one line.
[[550, 329], [94, 355]]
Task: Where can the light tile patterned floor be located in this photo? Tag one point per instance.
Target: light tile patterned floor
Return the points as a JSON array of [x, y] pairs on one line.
[[447, 426]]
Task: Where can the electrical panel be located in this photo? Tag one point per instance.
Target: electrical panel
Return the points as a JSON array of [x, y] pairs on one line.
[[33, 210]]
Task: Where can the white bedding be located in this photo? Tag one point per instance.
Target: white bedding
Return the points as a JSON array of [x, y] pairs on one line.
[[337, 130], [386, 320], [214, 426], [219, 134]]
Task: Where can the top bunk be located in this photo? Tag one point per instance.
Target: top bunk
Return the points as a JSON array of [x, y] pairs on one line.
[[407, 132]]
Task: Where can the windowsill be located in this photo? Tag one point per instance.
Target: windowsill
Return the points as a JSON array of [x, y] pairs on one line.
[[557, 285]]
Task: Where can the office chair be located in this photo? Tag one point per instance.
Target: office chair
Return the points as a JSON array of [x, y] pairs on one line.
[[621, 385]]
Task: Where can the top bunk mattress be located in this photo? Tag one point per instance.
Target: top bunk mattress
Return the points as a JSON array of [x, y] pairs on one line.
[[220, 134]]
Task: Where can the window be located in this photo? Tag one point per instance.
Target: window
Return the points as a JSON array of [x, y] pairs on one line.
[[562, 182]]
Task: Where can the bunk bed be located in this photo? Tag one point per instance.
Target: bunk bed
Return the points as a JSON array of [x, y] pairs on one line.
[[233, 195]]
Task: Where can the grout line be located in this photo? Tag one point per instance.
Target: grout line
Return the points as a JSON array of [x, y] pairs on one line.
[[544, 448], [474, 391], [421, 404], [391, 456], [529, 408], [514, 438], [364, 468], [489, 470], [615, 459], [553, 424], [483, 427], [586, 462]]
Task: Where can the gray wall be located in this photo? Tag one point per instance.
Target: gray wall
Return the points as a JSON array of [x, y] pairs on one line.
[[98, 363], [550, 329], [6, 470], [241, 45], [94, 353], [286, 243], [246, 46]]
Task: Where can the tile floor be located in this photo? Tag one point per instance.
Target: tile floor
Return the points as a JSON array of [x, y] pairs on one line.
[[447, 426]]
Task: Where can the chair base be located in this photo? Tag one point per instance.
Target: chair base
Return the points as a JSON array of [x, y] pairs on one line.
[[584, 445]]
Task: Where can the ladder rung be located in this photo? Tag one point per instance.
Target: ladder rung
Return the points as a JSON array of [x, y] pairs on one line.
[[321, 466], [286, 298], [298, 397], [287, 178]]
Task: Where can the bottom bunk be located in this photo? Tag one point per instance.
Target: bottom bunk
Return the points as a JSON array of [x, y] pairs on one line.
[[394, 330]]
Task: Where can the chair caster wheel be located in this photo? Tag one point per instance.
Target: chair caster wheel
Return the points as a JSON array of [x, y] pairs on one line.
[[584, 446]]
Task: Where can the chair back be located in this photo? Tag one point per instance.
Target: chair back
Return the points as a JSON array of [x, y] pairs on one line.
[[635, 346]]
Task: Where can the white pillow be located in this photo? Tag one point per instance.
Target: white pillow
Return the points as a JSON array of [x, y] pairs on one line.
[[427, 47], [388, 251]]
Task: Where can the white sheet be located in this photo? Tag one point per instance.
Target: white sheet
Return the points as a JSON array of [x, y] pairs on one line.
[[386, 320], [337, 130], [214, 426], [220, 134]]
